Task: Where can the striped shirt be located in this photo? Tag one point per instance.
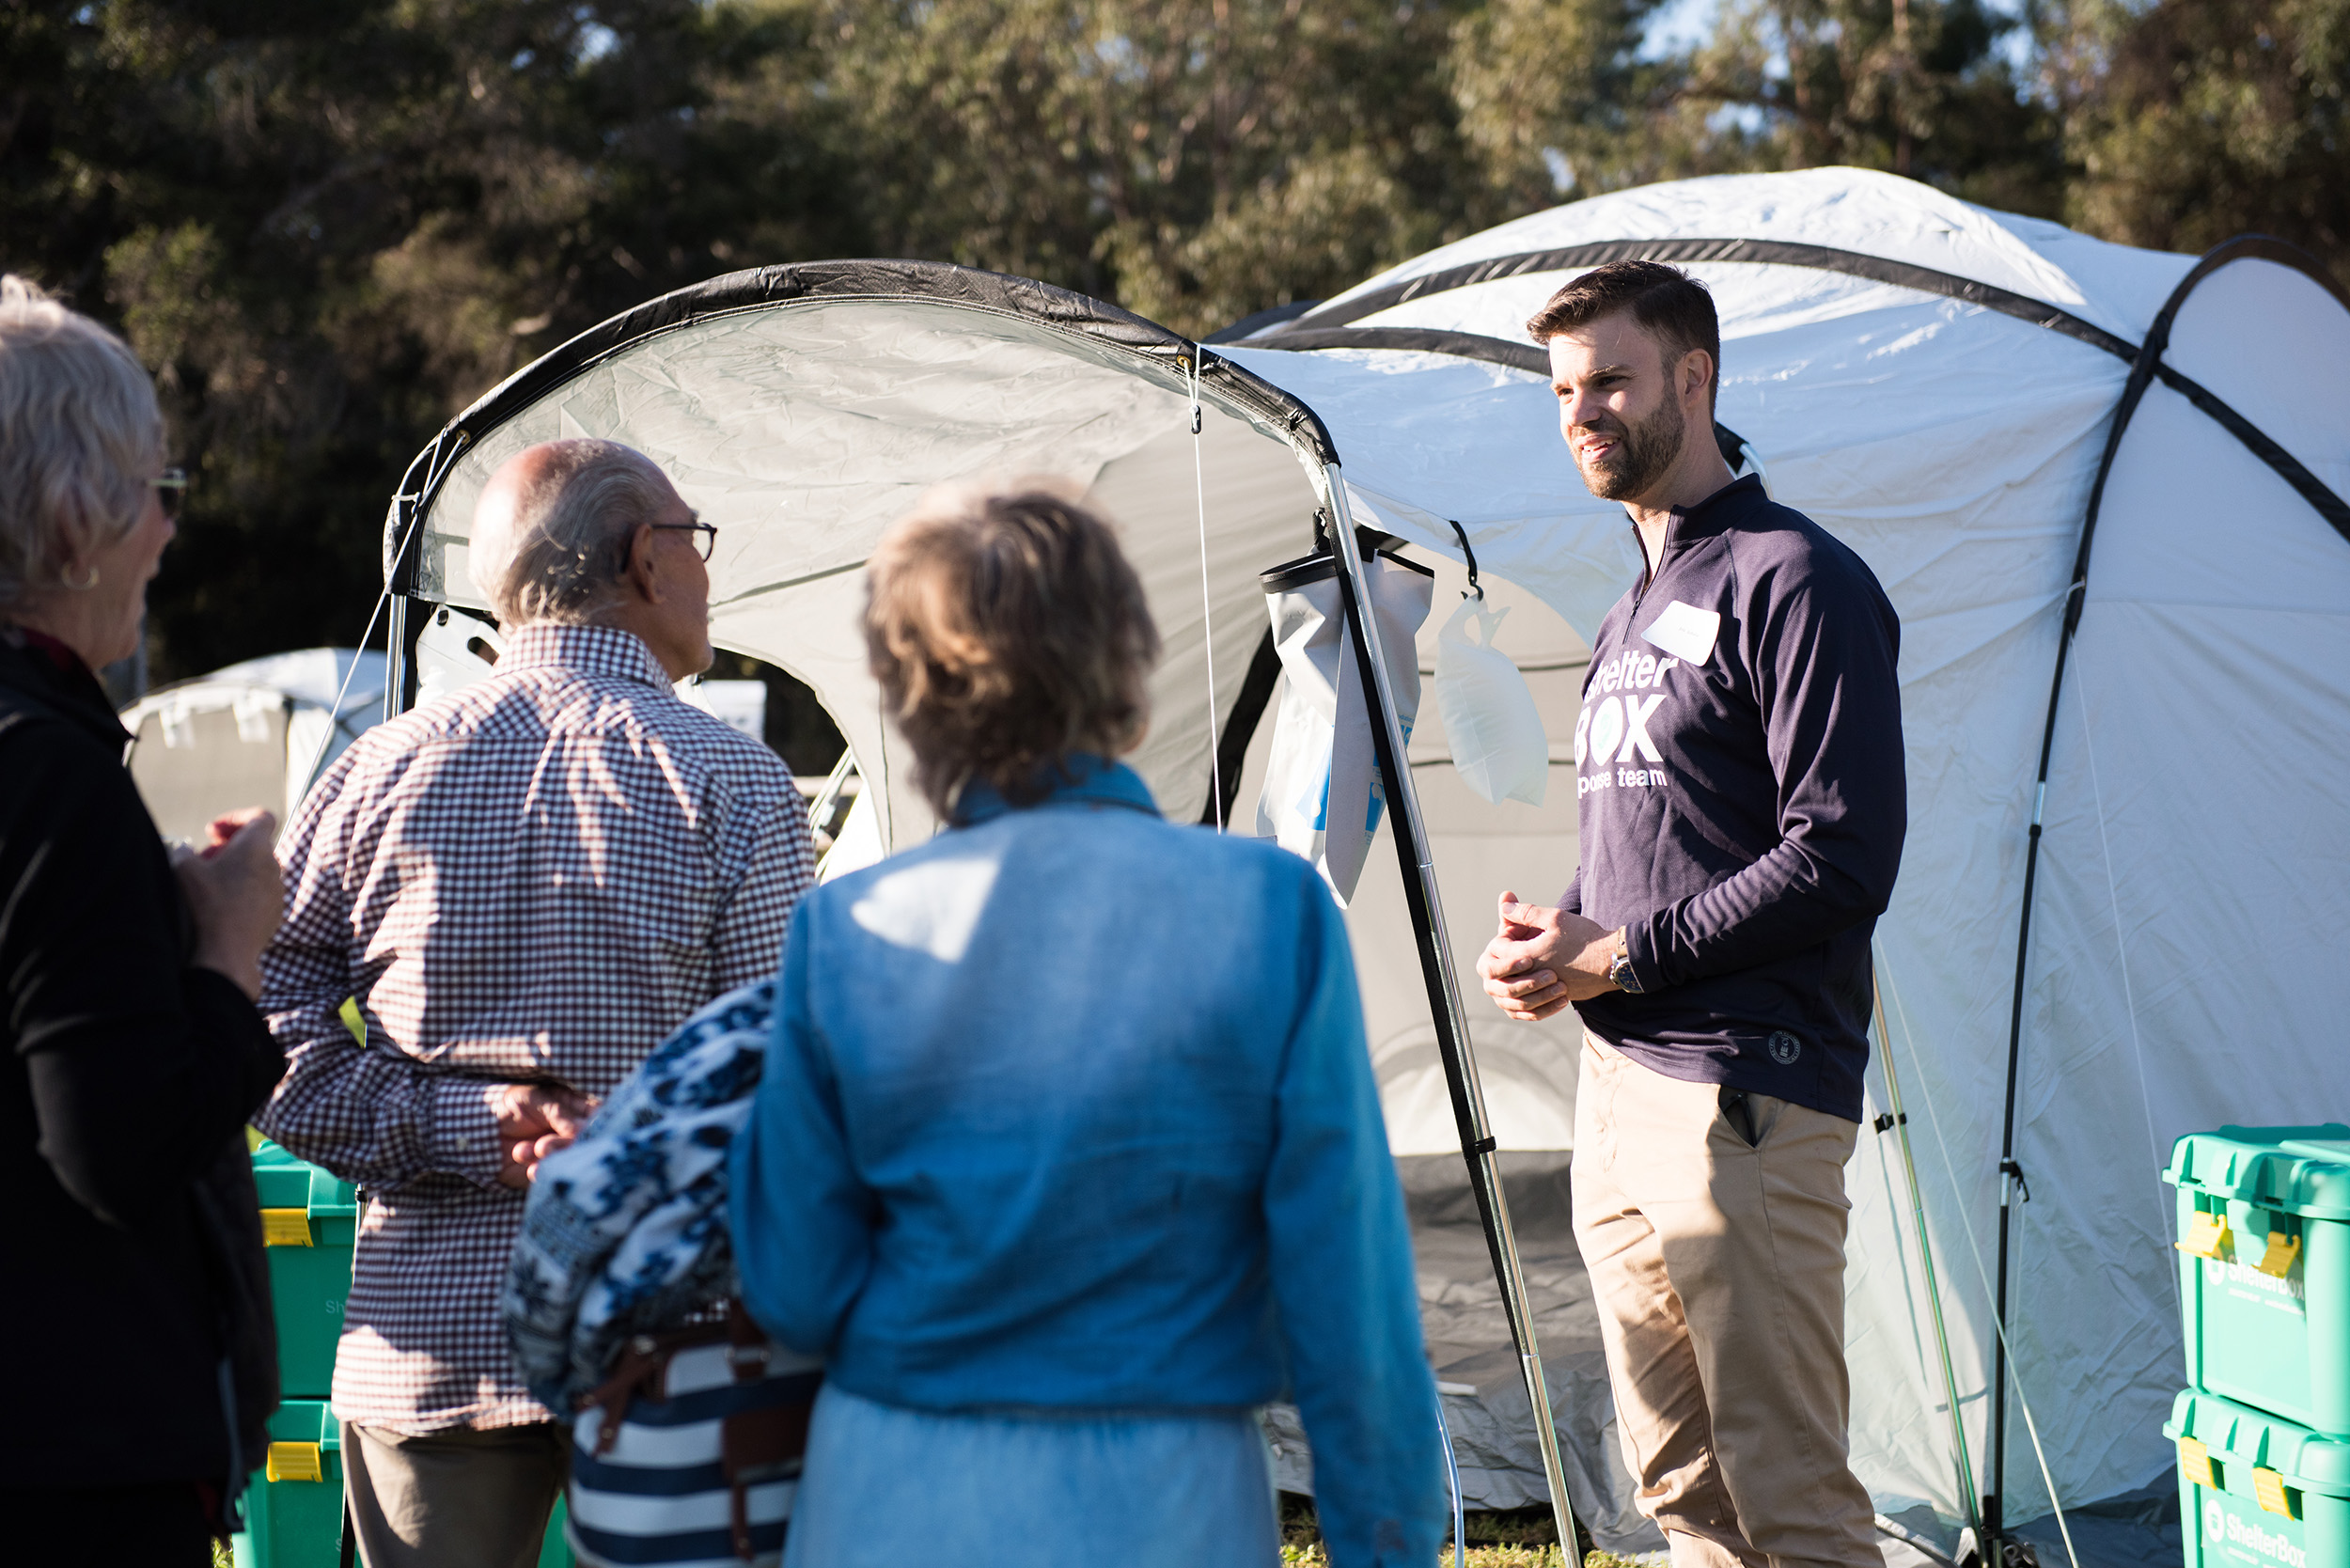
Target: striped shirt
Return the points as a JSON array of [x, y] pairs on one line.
[[534, 879]]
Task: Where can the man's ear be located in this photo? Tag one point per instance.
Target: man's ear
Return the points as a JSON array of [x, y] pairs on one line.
[[1696, 369], [639, 569]]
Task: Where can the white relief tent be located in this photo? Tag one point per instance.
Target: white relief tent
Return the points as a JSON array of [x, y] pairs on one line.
[[1950, 390], [253, 733]]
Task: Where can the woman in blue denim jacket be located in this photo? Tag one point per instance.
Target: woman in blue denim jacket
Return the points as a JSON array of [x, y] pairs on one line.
[[1067, 1154]]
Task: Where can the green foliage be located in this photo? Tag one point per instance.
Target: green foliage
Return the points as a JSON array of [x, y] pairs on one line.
[[1917, 86], [2194, 122], [328, 225], [1195, 160]]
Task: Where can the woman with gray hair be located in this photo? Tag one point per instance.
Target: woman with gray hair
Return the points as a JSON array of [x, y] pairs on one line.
[[131, 1055], [1068, 1154]]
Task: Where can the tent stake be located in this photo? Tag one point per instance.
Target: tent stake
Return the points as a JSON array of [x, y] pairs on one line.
[[1421, 896]]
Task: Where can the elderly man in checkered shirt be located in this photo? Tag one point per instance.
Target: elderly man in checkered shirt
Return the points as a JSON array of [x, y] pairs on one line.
[[526, 885]]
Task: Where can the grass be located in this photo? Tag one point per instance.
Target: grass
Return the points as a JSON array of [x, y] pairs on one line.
[[1516, 1538], [1482, 1557]]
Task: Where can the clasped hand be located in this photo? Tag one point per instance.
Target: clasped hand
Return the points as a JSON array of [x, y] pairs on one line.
[[1543, 959], [534, 1121]]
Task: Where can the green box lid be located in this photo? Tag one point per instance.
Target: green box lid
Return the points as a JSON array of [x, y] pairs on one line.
[[2303, 1170], [284, 1181], [2240, 1435], [306, 1421]]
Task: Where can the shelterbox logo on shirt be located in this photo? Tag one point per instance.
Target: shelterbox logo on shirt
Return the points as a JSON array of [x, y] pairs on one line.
[[1613, 732]]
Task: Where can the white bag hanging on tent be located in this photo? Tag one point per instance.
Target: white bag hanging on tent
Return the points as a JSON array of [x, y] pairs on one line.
[[1489, 716], [1321, 797]]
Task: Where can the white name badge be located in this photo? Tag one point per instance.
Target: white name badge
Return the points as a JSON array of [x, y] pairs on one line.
[[1684, 632]]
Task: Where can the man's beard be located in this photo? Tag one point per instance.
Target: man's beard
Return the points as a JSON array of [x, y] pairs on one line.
[[1643, 452]]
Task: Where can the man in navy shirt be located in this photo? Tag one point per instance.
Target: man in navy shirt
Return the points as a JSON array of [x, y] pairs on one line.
[[1739, 770]]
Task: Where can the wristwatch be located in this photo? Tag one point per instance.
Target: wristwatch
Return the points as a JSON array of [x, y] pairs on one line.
[[1620, 973]]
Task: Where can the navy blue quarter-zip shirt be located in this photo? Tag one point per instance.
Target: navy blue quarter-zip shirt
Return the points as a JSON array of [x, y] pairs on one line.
[[1738, 762]]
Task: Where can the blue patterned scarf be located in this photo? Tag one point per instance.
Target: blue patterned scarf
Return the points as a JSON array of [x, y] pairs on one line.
[[626, 1230]]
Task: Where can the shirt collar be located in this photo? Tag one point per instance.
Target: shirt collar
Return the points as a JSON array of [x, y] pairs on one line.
[[52, 671], [1713, 515], [589, 650], [1088, 780]]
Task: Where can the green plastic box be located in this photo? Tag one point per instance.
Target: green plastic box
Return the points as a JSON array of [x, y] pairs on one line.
[[2257, 1492], [294, 1508], [2264, 1268], [309, 1220]]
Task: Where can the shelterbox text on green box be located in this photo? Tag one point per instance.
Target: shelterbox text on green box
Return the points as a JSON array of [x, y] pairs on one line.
[[2257, 1492], [2264, 1217]]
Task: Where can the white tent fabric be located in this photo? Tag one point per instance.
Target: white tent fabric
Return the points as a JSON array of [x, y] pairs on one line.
[[2184, 964], [804, 427], [254, 734]]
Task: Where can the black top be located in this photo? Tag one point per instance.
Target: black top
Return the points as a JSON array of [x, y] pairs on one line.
[[131, 1256], [1744, 799]]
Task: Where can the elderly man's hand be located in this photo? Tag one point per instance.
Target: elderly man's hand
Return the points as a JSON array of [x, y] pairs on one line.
[[1543, 959], [534, 1121]]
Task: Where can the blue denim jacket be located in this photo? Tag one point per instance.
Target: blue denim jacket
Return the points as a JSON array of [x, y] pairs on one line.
[[1071, 1108]]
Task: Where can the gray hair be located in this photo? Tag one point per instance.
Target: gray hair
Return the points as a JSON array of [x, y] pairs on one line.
[[80, 436], [562, 555]]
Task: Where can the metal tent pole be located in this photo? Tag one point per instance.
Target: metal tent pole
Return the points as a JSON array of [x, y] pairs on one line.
[[1896, 1120], [1444, 996]]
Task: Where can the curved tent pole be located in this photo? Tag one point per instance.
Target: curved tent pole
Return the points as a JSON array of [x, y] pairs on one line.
[[1099, 326], [2146, 366], [1329, 326], [403, 560], [1420, 894]]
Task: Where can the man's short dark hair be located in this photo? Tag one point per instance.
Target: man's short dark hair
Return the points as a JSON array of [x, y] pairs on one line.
[[1667, 302]]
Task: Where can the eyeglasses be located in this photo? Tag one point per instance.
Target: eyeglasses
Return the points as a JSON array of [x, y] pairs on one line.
[[706, 546], [171, 491]]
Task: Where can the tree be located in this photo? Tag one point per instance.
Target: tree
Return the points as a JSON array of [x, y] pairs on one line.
[[1195, 160], [2190, 122], [328, 227]]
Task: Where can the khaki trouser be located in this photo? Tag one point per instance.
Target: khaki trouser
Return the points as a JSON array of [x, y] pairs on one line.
[[458, 1498], [1718, 1267]]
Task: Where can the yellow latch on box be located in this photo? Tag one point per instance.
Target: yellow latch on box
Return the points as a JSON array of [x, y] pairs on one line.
[[2282, 1249], [296, 1461], [2195, 1463], [286, 1228], [2269, 1487], [2206, 1235]]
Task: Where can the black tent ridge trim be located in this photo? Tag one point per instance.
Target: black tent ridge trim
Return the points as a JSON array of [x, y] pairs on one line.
[[1329, 326], [914, 281], [783, 285]]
